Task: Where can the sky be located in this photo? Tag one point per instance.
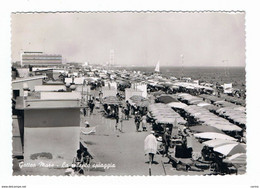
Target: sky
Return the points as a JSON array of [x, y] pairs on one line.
[[139, 39]]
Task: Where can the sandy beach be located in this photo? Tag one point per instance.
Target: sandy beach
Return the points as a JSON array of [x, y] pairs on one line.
[[122, 152], [124, 149]]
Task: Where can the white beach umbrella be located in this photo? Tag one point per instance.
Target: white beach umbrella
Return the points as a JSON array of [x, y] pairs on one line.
[[179, 105], [210, 135], [202, 104], [230, 149], [230, 127], [238, 158], [217, 142]]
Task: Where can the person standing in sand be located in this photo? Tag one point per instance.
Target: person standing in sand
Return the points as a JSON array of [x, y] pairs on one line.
[[117, 120], [121, 117], [166, 141], [150, 146], [144, 123], [127, 110], [137, 121]]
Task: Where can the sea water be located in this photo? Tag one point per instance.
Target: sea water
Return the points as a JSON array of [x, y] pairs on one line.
[[221, 75]]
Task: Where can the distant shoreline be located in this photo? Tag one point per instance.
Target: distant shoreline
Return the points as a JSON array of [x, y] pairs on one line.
[[177, 67], [183, 66]]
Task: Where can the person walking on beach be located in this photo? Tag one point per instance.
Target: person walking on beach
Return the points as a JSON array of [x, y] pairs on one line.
[[100, 95], [144, 123], [91, 105], [84, 111], [166, 141], [117, 120], [120, 116], [137, 121], [127, 110], [150, 148]]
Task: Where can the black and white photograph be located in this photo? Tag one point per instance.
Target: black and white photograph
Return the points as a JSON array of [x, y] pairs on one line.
[[128, 93]]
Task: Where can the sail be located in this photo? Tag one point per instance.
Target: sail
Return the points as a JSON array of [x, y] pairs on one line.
[[157, 68]]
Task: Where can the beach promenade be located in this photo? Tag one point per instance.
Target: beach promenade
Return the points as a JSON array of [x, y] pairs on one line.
[[124, 149]]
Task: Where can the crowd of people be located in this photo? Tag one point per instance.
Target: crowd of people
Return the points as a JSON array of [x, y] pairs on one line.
[[124, 111]]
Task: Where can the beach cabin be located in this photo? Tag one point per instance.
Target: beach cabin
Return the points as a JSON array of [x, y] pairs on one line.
[[30, 82], [51, 129], [18, 133]]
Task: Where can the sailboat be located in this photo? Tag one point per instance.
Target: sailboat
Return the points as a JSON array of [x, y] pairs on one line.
[[157, 68]]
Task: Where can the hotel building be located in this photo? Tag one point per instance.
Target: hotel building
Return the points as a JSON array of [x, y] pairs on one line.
[[40, 59]]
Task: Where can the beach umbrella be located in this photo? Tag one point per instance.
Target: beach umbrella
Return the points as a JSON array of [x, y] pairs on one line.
[[165, 120], [218, 142], [170, 119], [195, 101], [88, 130], [143, 103], [240, 108], [188, 97], [157, 93], [178, 105], [111, 100], [181, 121], [226, 127], [238, 158], [137, 98], [173, 78], [183, 94], [204, 128], [89, 79], [211, 107], [190, 87], [203, 104], [73, 87], [166, 99], [167, 84], [210, 135], [159, 85], [123, 83], [230, 149], [175, 87]]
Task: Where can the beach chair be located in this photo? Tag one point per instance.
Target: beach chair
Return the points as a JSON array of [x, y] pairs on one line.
[[183, 164], [88, 130]]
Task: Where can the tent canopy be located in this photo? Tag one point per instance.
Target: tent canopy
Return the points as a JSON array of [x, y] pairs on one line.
[[178, 105], [111, 100], [230, 149], [210, 135], [218, 142], [238, 158], [204, 128], [166, 99]]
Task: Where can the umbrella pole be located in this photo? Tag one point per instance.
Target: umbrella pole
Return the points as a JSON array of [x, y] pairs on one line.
[[150, 168], [163, 168], [150, 165]]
